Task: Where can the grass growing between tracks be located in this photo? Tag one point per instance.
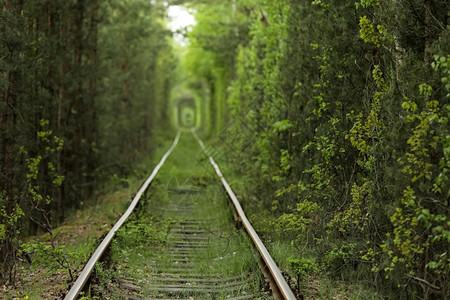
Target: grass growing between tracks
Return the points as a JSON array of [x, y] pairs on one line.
[[185, 197]]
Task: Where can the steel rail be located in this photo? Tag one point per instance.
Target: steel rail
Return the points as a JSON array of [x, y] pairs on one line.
[[84, 276], [270, 263]]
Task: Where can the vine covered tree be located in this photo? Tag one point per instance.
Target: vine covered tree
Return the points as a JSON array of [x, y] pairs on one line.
[[339, 113]]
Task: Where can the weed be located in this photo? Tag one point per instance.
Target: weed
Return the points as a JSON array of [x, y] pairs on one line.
[[55, 258]]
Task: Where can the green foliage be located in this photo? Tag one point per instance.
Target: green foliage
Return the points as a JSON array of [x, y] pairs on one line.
[[368, 3], [10, 221], [104, 276], [364, 133], [339, 255], [298, 222], [141, 233], [335, 118], [283, 125], [136, 73], [54, 258], [214, 43], [303, 266], [354, 218], [136, 70], [420, 227], [330, 107], [83, 85], [22, 297], [321, 4], [442, 64], [370, 33], [42, 171], [417, 161]]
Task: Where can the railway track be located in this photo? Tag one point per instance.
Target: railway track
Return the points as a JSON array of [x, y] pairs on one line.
[[183, 244]]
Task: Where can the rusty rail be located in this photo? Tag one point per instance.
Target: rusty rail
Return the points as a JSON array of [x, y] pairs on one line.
[[84, 276], [275, 273], [273, 270]]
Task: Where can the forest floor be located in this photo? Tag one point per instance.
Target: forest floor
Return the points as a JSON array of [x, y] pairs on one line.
[[77, 236]]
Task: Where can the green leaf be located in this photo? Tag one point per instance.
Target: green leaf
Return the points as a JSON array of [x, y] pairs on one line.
[[283, 125]]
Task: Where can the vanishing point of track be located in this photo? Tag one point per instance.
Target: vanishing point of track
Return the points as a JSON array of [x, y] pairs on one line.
[[193, 243]]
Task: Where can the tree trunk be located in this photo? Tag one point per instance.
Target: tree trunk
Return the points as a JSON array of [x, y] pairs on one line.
[[78, 104], [91, 109], [427, 50], [8, 201]]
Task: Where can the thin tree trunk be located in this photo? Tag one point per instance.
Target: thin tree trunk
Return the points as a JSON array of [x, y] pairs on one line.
[[65, 30], [7, 176], [427, 50], [78, 163], [92, 93]]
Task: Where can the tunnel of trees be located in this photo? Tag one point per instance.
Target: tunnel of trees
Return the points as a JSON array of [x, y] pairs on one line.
[[187, 112], [334, 113]]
